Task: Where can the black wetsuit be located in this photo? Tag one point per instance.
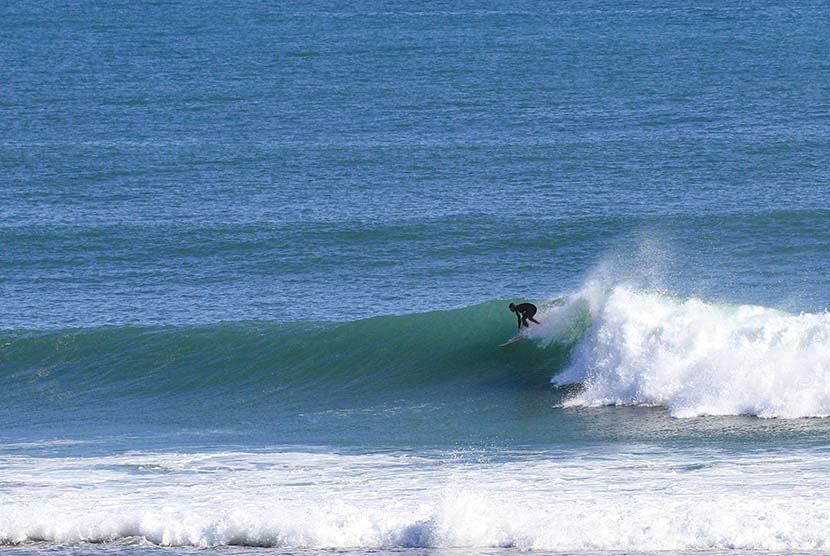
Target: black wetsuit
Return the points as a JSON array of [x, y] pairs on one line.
[[525, 312]]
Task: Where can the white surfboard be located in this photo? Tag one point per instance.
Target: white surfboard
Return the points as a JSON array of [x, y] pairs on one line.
[[513, 340]]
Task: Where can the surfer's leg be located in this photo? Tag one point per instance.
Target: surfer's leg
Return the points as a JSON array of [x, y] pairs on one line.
[[534, 320]]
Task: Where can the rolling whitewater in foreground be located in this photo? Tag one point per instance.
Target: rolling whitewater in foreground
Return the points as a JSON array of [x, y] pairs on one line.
[[256, 260]]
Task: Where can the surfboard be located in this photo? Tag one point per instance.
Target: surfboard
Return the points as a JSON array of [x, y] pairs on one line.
[[513, 340]]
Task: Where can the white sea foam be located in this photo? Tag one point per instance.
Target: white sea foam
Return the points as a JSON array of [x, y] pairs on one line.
[[699, 358], [614, 499]]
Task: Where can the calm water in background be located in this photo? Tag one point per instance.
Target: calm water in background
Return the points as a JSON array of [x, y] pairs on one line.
[[225, 231], [168, 162]]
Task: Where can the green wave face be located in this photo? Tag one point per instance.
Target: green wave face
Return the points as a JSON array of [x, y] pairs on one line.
[[270, 371]]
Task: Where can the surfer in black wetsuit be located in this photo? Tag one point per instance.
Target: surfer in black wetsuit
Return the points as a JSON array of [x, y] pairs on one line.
[[524, 312]]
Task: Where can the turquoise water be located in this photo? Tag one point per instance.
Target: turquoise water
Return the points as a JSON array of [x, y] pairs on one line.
[[255, 261]]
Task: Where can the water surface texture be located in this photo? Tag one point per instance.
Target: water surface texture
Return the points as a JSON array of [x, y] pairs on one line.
[[255, 260]]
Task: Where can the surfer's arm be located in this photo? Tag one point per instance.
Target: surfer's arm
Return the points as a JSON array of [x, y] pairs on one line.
[[519, 318]]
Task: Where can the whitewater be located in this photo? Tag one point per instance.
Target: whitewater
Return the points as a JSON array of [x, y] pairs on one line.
[[631, 499], [696, 357]]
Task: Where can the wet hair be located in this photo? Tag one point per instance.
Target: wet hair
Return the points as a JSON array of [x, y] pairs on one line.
[[513, 307]]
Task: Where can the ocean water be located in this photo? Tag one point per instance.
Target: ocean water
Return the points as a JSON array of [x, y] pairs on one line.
[[255, 261]]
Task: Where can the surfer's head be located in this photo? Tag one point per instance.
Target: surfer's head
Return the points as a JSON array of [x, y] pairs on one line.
[[512, 307]]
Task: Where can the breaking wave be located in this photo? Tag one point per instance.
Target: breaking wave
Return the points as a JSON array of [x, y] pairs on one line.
[[701, 358], [623, 346]]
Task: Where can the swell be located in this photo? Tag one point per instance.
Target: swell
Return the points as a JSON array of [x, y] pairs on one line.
[[262, 359]]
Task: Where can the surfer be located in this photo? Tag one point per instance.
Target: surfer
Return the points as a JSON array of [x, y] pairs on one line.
[[524, 312]]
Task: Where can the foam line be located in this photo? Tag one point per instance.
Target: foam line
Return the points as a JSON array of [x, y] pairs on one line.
[[636, 500]]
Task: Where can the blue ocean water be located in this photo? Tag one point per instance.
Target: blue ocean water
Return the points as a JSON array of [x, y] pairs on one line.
[[255, 261]]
